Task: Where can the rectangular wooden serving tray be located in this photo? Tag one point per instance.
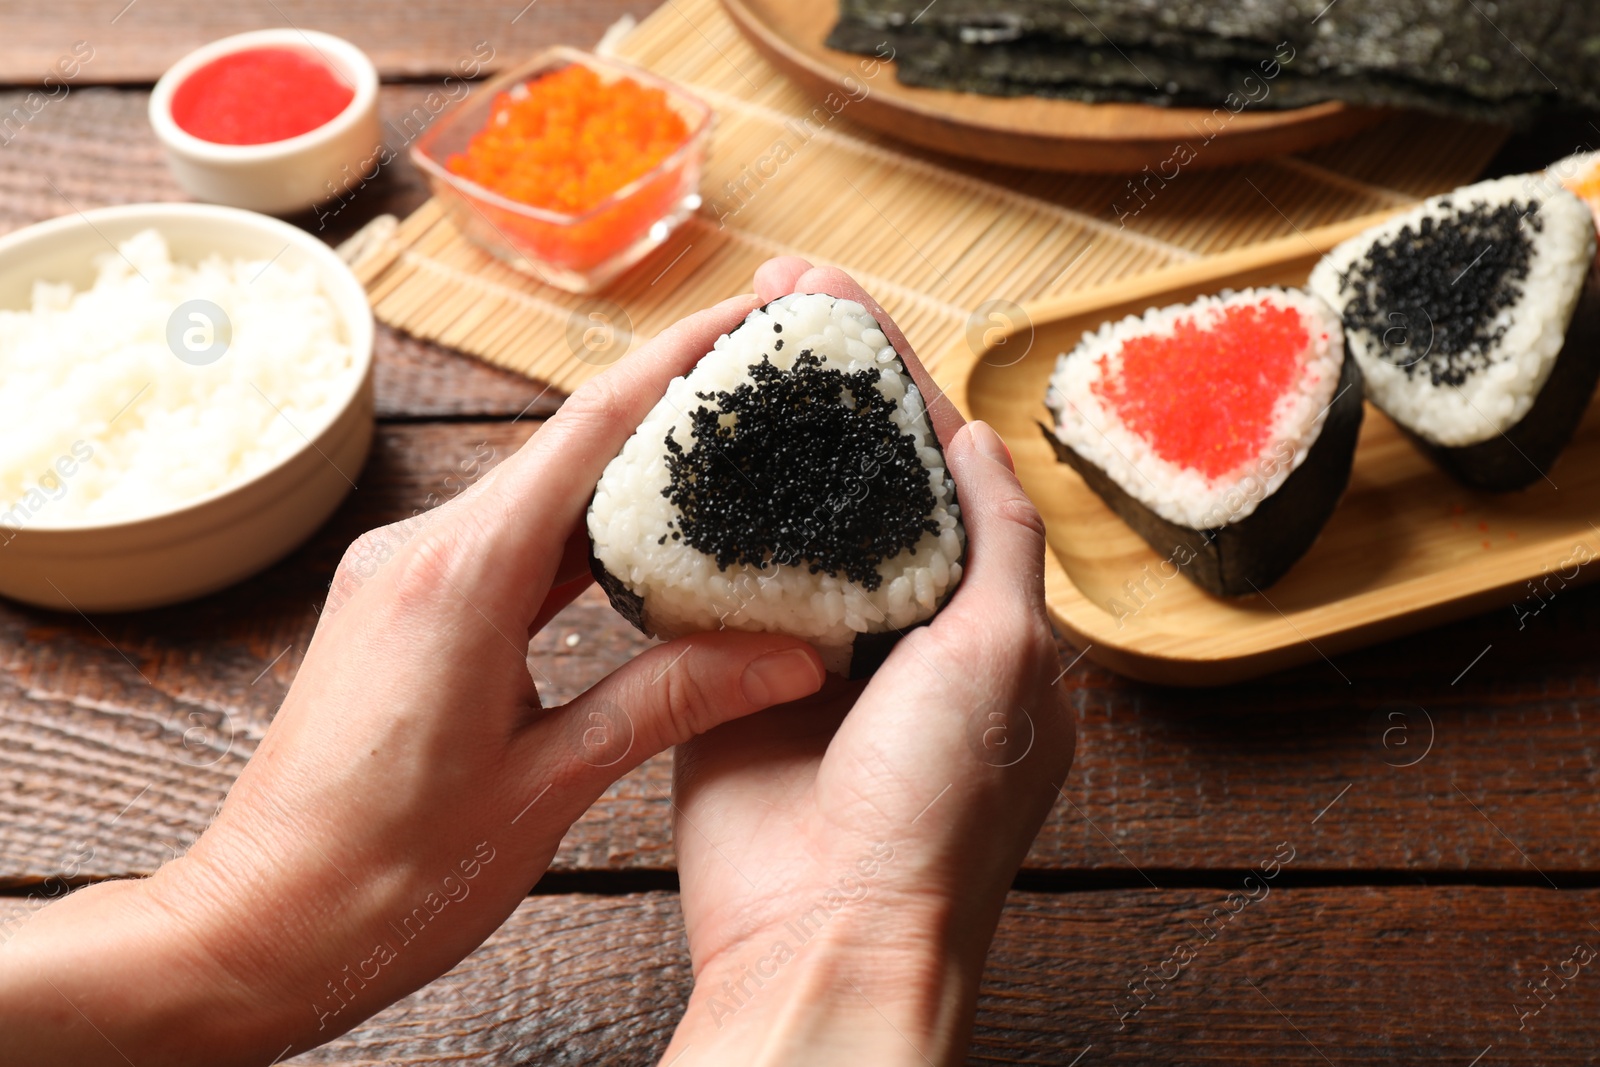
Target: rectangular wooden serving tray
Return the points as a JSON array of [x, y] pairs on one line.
[[1407, 547]]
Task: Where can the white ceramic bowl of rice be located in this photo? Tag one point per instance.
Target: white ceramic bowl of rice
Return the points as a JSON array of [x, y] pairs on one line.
[[152, 451]]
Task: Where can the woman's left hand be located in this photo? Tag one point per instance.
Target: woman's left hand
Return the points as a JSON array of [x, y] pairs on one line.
[[844, 859], [411, 789]]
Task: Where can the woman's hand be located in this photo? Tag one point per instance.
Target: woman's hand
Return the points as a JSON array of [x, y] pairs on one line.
[[410, 790], [844, 859]]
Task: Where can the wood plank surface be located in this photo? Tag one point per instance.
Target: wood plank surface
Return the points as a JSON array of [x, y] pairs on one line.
[[933, 238], [416, 380], [1172, 778], [97, 711], [1398, 974], [1466, 755], [1166, 780], [94, 148], [135, 41]]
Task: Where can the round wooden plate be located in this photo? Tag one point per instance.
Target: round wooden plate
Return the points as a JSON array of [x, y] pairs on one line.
[[1027, 131]]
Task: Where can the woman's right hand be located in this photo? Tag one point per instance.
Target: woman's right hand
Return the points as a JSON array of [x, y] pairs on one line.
[[844, 859]]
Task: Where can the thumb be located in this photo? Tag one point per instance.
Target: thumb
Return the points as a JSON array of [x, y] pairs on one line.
[[664, 697], [1005, 535]]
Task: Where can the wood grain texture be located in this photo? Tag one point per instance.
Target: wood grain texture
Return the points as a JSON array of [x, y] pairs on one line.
[[1301, 976], [1166, 781], [1173, 778], [419, 380], [156, 711], [947, 246], [94, 148], [137, 42], [1407, 546], [1466, 753]]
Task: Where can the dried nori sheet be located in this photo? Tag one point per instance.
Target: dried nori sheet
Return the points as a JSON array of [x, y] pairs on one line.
[[1081, 72], [1247, 556], [1495, 62]]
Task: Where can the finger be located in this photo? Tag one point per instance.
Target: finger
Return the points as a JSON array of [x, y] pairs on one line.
[[989, 655], [572, 568], [505, 545], [664, 697], [1005, 535], [383, 543], [942, 414], [757, 744], [776, 277]]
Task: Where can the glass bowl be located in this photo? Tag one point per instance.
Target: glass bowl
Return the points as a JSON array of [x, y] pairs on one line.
[[578, 253]]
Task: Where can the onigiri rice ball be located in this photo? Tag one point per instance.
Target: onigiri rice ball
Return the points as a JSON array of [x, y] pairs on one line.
[[792, 483]]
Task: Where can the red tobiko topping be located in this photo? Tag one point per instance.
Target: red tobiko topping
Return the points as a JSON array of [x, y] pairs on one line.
[[257, 96], [1203, 396]]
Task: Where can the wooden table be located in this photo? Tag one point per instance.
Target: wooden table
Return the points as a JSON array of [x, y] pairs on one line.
[[1438, 793]]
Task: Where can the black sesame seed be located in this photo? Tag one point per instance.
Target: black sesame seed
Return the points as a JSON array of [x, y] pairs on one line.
[[785, 483], [777, 327], [1432, 292]]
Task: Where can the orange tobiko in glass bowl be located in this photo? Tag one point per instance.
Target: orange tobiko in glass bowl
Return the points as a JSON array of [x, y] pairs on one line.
[[571, 167]]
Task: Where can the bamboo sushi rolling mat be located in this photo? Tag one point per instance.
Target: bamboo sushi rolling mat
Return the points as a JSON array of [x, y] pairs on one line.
[[931, 237]]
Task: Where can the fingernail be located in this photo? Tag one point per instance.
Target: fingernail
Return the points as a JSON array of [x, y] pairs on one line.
[[779, 677], [985, 440]]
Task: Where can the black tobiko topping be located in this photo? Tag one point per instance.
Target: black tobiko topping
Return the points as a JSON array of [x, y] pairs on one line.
[[1431, 293], [800, 467]]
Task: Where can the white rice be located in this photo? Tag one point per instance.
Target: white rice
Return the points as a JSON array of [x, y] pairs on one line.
[[100, 420], [684, 591], [1182, 495], [1496, 398]]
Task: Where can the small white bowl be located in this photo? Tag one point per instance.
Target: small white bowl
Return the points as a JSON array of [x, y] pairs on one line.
[[279, 177], [224, 536]]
